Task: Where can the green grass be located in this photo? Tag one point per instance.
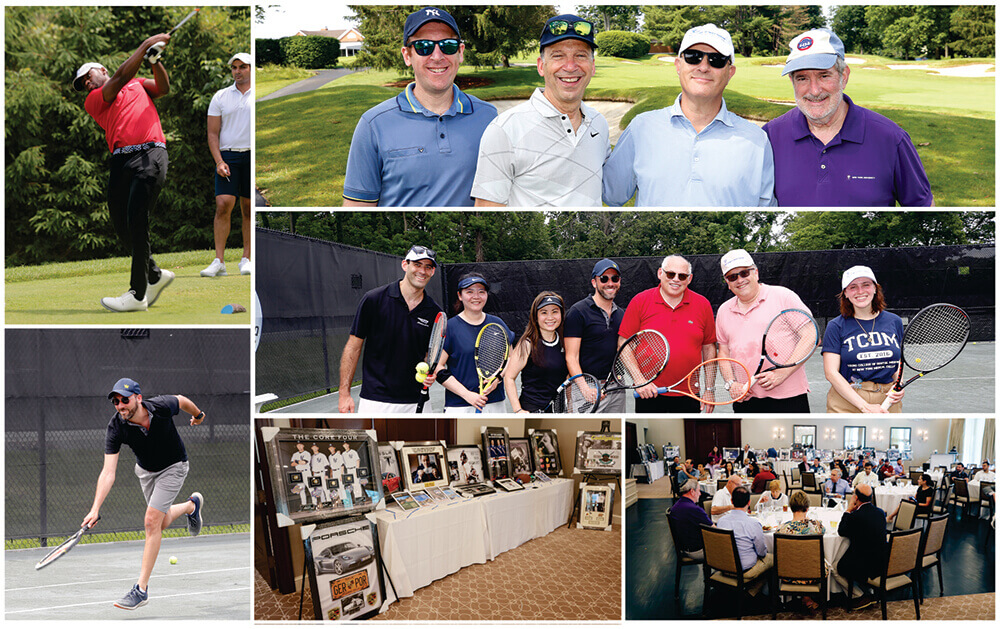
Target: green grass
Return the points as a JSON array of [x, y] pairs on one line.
[[954, 116], [69, 293], [272, 78]]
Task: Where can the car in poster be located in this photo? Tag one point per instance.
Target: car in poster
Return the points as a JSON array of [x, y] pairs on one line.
[[342, 557]]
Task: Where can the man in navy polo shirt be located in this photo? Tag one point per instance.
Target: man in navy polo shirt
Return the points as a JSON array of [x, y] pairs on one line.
[[829, 151], [591, 331], [419, 149], [393, 324]]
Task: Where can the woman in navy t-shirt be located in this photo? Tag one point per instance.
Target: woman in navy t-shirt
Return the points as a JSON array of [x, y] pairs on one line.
[[538, 357]]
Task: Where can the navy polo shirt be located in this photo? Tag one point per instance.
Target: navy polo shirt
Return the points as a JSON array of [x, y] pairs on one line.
[[156, 448], [597, 332], [460, 343], [395, 341], [403, 155]]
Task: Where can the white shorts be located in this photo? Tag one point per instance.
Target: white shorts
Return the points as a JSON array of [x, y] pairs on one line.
[[371, 407], [492, 407]]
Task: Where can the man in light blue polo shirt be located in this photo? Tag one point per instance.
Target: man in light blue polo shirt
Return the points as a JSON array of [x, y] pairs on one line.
[[419, 149], [695, 152]]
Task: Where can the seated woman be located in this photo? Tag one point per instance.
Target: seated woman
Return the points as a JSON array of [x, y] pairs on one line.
[[773, 498], [924, 498], [801, 525]]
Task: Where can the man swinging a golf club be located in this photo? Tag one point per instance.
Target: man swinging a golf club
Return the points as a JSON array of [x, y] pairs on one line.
[[123, 106]]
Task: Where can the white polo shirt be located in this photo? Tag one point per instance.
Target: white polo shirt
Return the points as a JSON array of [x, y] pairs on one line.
[[722, 498], [530, 156], [235, 108]]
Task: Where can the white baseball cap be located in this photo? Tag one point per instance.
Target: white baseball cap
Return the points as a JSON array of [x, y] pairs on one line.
[[711, 35], [735, 259], [84, 71], [854, 273], [242, 56], [817, 49]]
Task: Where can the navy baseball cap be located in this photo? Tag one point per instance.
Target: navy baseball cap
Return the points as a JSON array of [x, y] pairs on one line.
[[475, 279], [604, 265], [428, 14], [126, 387], [568, 26]]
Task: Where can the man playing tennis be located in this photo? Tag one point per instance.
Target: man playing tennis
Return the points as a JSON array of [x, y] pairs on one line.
[[591, 331], [740, 325], [393, 324], [685, 319], [148, 428]]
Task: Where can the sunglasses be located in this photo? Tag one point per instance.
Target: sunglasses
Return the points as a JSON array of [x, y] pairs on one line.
[[715, 59], [120, 401], [732, 277], [681, 276], [614, 279], [424, 47], [559, 27]]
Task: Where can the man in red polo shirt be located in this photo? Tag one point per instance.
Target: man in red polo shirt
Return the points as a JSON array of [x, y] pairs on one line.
[[123, 106], [685, 318]]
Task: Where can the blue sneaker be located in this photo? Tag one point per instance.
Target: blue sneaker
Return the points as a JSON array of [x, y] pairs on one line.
[[135, 598], [194, 518]]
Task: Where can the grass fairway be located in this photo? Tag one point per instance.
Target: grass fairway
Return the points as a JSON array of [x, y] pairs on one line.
[[303, 140], [69, 293]]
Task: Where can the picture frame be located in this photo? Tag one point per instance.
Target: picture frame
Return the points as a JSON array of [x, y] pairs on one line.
[[421, 496], [436, 494], [545, 451], [344, 570], [651, 452], [730, 454], [784, 454], [475, 490], [509, 484], [300, 461], [388, 459], [496, 449], [598, 452], [669, 452], [450, 493], [405, 501], [520, 457], [542, 477], [643, 453], [596, 506], [423, 464], [465, 464]]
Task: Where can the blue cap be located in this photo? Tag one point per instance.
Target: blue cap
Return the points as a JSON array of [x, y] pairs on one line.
[[427, 14], [547, 37], [469, 281], [604, 265], [126, 387]]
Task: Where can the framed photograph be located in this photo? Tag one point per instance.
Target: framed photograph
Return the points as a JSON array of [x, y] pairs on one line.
[[651, 451], [496, 448], [840, 454], [476, 490], [543, 477], [344, 571], [436, 494], [520, 457], [545, 451], [509, 484], [405, 501], [596, 505], [302, 462], [730, 454], [761, 455], [643, 453], [421, 496], [465, 465], [389, 464], [450, 493], [424, 465], [669, 452], [598, 452], [784, 454]]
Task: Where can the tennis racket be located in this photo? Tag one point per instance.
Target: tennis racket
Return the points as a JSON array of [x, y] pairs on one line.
[[933, 338], [639, 360], [492, 351], [434, 347], [63, 548], [716, 382], [579, 394], [789, 340]]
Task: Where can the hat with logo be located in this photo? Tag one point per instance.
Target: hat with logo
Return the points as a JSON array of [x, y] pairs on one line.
[[604, 265], [817, 49], [418, 252], [854, 273], [428, 14], [710, 35], [735, 259], [126, 387]]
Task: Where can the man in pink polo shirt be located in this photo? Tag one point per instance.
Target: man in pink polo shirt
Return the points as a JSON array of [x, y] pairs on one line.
[[740, 324], [685, 318]]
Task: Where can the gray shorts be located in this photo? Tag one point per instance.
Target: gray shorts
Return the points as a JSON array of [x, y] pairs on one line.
[[160, 488]]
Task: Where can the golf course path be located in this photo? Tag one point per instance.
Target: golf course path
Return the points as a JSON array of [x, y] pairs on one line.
[[321, 78]]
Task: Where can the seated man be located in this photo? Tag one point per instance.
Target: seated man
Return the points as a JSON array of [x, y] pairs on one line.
[[864, 526], [684, 473], [835, 485], [687, 516], [762, 479], [754, 558], [959, 472], [985, 474], [817, 466], [868, 477], [804, 465], [722, 501]]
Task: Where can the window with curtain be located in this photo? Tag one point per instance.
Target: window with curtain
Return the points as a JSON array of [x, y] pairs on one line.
[[899, 438], [854, 437], [972, 440]]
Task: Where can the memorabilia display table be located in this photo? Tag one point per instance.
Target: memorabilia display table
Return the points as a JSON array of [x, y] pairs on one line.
[[656, 470]]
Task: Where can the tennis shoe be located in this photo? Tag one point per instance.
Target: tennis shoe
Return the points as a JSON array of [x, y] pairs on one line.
[[125, 303], [135, 598], [216, 269], [244, 266], [194, 518], [153, 290]]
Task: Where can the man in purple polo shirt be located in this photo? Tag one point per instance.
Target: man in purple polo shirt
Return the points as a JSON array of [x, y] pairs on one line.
[[687, 516], [829, 151]]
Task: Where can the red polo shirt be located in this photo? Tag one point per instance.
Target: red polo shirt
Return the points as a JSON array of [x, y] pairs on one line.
[[129, 119]]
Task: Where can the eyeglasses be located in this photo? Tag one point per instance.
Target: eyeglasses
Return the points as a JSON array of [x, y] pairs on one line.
[[614, 279], [681, 276], [580, 27], [424, 47], [715, 59], [120, 401], [732, 277]]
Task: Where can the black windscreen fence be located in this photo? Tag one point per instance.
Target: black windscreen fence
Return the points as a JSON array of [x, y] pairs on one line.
[[309, 292], [57, 412]]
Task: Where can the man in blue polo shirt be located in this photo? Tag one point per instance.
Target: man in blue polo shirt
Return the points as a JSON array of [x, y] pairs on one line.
[[695, 152], [419, 149], [393, 325], [828, 151], [591, 331]]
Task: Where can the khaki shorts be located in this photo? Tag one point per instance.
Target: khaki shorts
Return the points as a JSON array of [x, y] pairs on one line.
[[870, 392], [160, 488]]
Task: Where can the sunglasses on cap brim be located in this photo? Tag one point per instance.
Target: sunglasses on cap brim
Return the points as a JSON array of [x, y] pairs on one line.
[[561, 27]]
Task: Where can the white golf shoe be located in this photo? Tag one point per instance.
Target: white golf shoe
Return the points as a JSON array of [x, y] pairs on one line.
[[153, 290], [125, 303], [216, 269], [244, 266]]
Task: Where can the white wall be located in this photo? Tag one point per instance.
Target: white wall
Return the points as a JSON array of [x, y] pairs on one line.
[[468, 429]]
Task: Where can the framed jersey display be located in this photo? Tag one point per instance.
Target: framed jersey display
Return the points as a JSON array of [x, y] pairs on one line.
[[496, 448], [598, 453], [545, 451], [389, 464], [322, 473], [465, 465], [424, 464], [520, 457], [596, 504], [344, 571]]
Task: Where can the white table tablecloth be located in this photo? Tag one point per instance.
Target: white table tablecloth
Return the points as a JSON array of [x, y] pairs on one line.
[[515, 518], [656, 470], [888, 498], [834, 545]]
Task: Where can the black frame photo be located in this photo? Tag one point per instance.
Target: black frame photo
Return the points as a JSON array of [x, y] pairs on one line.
[[475, 490], [344, 570], [598, 453], [508, 484], [465, 465], [496, 449], [425, 464], [520, 457], [545, 451]]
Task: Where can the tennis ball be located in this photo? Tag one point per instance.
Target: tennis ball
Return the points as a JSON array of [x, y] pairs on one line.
[[173, 560], [423, 367], [918, 360], [421, 377]]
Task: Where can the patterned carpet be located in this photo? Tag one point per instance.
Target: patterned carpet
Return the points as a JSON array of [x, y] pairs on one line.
[[570, 574], [968, 607]]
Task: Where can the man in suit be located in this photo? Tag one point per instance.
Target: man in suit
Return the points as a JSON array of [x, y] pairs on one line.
[[864, 526]]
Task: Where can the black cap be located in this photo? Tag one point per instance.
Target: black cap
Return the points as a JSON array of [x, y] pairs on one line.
[[548, 38], [428, 14]]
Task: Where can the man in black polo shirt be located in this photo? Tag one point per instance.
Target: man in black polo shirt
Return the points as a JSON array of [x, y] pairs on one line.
[[393, 324], [147, 426], [591, 331]]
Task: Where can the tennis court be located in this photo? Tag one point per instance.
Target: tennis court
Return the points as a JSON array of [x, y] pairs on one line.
[[211, 581]]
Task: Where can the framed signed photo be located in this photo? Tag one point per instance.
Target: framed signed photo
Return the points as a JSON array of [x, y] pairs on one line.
[[389, 464], [405, 501], [344, 571], [496, 448], [437, 494], [596, 503], [476, 490], [784, 454], [421, 496], [545, 451], [520, 457], [598, 453], [509, 484], [465, 465], [424, 464]]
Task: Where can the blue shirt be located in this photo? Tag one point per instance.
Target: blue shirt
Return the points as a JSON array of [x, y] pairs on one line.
[[661, 159], [460, 343], [405, 155], [869, 350], [842, 487], [749, 536], [598, 334]]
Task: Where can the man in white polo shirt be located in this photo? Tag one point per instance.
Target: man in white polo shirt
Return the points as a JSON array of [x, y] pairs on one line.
[[229, 143], [550, 150], [722, 501]]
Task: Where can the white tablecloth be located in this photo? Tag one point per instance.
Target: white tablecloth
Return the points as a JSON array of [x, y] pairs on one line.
[[888, 498], [656, 470], [785, 466], [834, 545]]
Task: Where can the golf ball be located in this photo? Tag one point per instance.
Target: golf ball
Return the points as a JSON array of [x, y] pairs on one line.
[[173, 560]]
